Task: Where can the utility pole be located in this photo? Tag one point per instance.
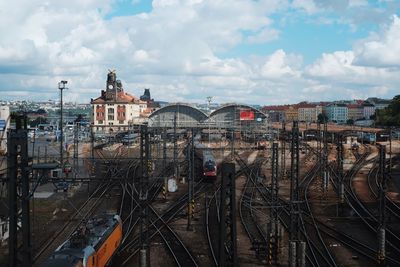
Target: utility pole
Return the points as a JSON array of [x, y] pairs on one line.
[[233, 143], [296, 246], [20, 250], [325, 159], [144, 259], [390, 153], [61, 87], [227, 211], [176, 165], [191, 204], [273, 242], [76, 150], [283, 154], [165, 163], [340, 168], [382, 207], [209, 98]]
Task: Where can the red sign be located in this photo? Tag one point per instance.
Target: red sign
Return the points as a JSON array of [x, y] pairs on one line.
[[247, 115]]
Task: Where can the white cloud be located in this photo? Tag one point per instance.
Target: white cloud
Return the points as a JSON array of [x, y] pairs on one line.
[[381, 49], [174, 51], [264, 36], [308, 6], [280, 65]]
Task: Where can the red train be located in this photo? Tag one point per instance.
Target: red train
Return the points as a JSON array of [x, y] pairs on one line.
[[209, 166]]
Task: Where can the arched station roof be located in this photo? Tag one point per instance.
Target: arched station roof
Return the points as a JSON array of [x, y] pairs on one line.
[[186, 116], [238, 115]]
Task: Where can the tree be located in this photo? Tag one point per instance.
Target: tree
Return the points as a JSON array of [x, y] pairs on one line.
[[390, 116], [350, 122]]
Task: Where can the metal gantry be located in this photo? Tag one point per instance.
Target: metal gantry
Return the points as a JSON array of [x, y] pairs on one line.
[[227, 211]]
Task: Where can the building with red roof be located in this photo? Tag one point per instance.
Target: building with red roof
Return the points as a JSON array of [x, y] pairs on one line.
[[114, 110]]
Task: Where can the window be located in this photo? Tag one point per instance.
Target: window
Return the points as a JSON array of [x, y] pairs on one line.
[[121, 122], [111, 114], [100, 122]]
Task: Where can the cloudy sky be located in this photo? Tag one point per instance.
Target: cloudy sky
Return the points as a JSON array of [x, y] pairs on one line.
[[250, 51]]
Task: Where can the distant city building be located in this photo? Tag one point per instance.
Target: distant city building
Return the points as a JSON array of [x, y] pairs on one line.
[[146, 96], [309, 112], [368, 110], [355, 112], [4, 126], [378, 102], [291, 113], [151, 104], [275, 113], [115, 110], [337, 112]]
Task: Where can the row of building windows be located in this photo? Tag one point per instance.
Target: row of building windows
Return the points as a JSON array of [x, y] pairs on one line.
[[119, 122], [119, 128]]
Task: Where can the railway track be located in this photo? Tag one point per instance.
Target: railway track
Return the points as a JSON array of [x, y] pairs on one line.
[[253, 230], [81, 214], [284, 217], [373, 184], [211, 220], [365, 215], [157, 225], [84, 212]]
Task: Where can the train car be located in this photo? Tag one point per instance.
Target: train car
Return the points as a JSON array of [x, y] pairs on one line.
[[209, 165], [92, 245], [367, 138]]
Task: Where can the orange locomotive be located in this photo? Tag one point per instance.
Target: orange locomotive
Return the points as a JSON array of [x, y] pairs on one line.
[[92, 245]]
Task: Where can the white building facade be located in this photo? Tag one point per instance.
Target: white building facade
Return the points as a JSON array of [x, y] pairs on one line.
[[368, 110], [337, 113], [309, 112]]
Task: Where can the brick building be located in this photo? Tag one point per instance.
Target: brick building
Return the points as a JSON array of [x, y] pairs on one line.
[[115, 109]]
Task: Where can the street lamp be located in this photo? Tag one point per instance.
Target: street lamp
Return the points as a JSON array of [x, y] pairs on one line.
[[61, 87], [209, 98]]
